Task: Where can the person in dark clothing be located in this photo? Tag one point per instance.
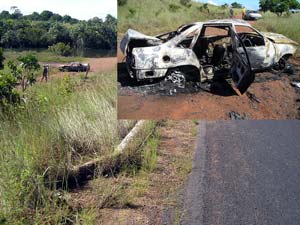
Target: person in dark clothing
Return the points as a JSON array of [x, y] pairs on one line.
[[45, 73], [231, 13]]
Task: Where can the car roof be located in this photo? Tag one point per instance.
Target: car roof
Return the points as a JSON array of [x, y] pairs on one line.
[[229, 21], [223, 21]]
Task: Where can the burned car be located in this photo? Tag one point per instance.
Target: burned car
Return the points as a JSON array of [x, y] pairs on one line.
[[203, 51], [74, 67]]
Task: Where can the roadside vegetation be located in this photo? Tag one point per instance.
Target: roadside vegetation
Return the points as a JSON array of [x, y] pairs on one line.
[[42, 55], [147, 187], [152, 18], [286, 25], [48, 128], [53, 126], [279, 7]]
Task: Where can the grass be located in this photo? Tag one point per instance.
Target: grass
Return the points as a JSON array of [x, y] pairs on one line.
[[61, 123], [43, 56], [286, 25], [153, 17]]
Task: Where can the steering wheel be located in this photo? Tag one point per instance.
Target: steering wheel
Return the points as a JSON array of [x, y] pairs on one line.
[[246, 41]]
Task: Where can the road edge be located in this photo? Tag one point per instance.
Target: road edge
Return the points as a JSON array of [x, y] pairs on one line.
[[193, 188]]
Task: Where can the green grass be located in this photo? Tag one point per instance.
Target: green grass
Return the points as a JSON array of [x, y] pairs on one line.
[[63, 122], [286, 25], [153, 17], [43, 56]]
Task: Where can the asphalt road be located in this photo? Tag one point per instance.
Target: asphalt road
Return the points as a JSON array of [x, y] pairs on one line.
[[244, 173]]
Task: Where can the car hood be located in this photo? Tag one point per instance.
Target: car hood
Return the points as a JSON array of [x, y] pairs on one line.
[[131, 35], [279, 38]]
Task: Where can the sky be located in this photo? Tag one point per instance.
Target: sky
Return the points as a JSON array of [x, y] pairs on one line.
[[79, 9], [249, 4]]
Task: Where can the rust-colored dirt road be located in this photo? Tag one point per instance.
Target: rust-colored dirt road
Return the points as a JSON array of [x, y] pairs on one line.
[[97, 65]]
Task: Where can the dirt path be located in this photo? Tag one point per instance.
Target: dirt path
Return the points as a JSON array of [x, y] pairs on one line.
[[97, 65], [278, 100]]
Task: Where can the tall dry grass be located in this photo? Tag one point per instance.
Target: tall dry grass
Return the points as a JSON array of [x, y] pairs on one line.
[[286, 25], [153, 17], [61, 123]]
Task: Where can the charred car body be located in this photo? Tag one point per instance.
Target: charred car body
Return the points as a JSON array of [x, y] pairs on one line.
[[74, 67], [205, 50]]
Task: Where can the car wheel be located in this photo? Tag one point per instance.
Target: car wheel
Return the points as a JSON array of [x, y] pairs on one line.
[[177, 77], [280, 66]]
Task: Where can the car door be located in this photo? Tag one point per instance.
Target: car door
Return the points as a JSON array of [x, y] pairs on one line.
[[259, 49], [241, 72]]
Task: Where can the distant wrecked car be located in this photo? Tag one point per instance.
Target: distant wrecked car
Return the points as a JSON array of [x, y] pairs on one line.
[[205, 50], [252, 15], [74, 67]]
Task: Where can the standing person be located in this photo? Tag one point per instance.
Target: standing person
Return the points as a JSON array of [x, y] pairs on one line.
[[243, 12], [87, 70], [231, 13], [45, 73]]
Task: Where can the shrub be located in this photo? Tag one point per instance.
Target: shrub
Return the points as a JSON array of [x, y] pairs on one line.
[[61, 49], [173, 7], [1, 59], [132, 12], [7, 85], [186, 3], [122, 2]]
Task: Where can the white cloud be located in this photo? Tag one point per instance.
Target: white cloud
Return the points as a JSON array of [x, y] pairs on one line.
[[211, 2], [80, 9]]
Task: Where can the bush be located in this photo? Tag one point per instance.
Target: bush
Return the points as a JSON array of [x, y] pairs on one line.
[[186, 3], [1, 59], [173, 7], [61, 49], [7, 84], [132, 12], [122, 2]]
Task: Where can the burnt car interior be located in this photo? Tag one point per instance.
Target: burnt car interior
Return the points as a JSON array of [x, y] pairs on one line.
[[213, 48], [249, 36]]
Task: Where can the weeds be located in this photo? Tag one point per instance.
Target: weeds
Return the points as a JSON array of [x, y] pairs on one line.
[[60, 123], [283, 25], [150, 17]]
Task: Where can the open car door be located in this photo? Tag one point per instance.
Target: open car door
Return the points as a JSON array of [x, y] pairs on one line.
[[241, 72]]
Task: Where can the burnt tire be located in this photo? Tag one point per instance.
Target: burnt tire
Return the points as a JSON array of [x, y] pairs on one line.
[[281, 65], [177, 77]]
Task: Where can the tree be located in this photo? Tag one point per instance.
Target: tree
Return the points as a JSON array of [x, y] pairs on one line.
[[30, 66], [236, 5], [278, 6], [7, 84], [5, 15], [281, 7], [2, 58], [95, 33], [46, 15], [16, 13], [61, 49]]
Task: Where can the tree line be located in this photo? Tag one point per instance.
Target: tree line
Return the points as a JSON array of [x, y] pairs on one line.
[[278, 6], [47, 28]]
